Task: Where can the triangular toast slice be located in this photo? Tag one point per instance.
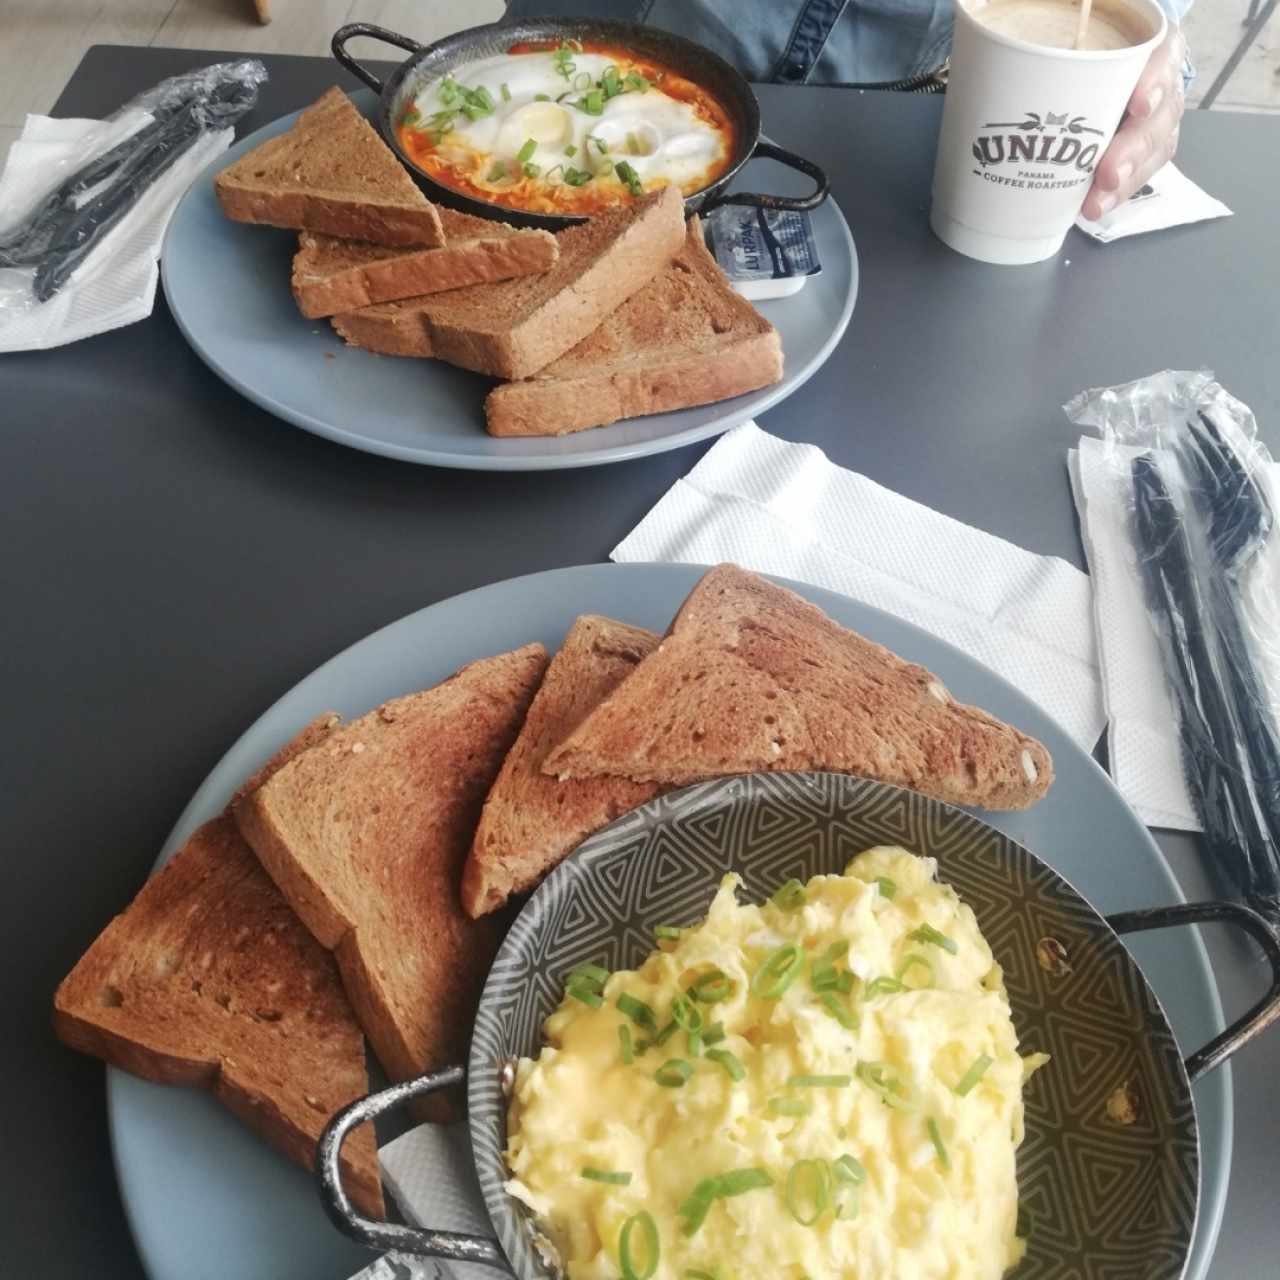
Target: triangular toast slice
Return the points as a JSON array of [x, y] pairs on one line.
[[209, 979], [752, 677], [532, 822], [515, 327], [330, 173], [685, 339], [366, 836], [332, 275]]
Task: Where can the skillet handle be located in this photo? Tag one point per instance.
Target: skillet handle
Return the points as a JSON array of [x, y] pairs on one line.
[[1263, 1014], [353, 29], [389, 1235], [769, 151]]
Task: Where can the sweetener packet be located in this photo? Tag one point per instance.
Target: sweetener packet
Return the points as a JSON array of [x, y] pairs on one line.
[[1169, 199], [766, 253]]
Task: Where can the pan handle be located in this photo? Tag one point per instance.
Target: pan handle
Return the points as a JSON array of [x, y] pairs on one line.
[[389, 1235], [353, 29], [1263, 1014], [770, 151]]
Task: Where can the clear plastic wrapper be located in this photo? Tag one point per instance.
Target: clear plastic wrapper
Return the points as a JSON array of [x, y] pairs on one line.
[[55, 226], [1202, 494]]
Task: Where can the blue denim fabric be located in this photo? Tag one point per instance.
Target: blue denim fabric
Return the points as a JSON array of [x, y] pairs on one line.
[[798, 41]]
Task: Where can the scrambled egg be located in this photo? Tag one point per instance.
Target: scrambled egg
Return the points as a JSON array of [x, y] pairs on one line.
[[866, 1105]]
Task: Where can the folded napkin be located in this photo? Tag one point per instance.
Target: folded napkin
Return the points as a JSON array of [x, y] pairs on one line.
[[431, 1175], [1142, 734], [1168, 199], [116, 284], [785, 509]]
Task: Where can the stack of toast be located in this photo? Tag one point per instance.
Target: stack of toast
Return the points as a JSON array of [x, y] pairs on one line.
[[624, 315], [355, 884]]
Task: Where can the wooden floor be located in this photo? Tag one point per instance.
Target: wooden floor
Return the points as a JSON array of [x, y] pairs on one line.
[[41, 41]]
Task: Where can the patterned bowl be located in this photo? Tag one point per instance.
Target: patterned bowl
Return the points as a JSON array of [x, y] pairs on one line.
[[1107, 1198]]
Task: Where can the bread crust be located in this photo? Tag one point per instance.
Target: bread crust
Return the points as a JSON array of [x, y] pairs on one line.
[[208, 979], [752, 677], [532, 822]]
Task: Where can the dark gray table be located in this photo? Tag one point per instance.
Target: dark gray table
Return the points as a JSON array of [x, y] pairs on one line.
[[173, 559]]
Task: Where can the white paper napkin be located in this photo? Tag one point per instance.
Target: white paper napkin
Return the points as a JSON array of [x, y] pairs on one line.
[[1169, 199], [1142, 735], [116, 284], [431, 1175], [785, 509]]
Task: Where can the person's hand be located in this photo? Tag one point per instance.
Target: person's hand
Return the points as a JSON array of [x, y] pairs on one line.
[[1148, 134]]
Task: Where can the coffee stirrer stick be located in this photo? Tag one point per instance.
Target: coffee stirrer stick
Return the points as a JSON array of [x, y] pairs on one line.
[[1082, 27]]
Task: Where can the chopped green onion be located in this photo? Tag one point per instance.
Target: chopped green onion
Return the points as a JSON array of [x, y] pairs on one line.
[[639, 1012], [713, 1034], [820, 1082], [788, 896], [935, 1136], [788, 1107], [823, 975], [506, 93], [664, 932], [633, 145], [697, 1205], [450, 91], [629, 176], [738, 1182], [577, 177], [819, 1190], [781, 966], [526, 152], [888, 886], [883, 987], [563, 60], [587, 994], [606, 1176], [848, 1169], [912, 961], [845, 984], [695, 1043], [571, 150], [927, 933], [593, 103], [673, 1073], [498, 172], [411, 117], [649, 1230], [667, 1032], [843, 1015], [733, 1068], [712, 987], [601, 145], [700, 1275], [849, 1175], [551, 173], [531, 170], [609, 82], [624, 1042], [592, 972], [636, 82], [882, 1080], [975, 1073], [582, 81], [686, 1015], [542, 97]]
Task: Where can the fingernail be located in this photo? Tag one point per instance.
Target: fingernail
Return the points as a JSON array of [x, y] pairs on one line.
[[1123, 173], [1106, 202]]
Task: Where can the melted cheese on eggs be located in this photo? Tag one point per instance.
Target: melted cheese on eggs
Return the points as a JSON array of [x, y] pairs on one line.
[[578, 1105]]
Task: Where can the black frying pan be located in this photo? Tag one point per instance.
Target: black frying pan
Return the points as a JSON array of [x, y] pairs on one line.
[[429, 62]]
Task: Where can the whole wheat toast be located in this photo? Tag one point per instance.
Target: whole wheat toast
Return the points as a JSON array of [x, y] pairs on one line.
[[332, 275], [531, 822], [752, 677], [513, 328], [684, 339], [330, 173], [208, 978], [366, 836]]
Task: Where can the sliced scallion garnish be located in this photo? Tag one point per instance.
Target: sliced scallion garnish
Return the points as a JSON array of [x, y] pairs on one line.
[[788, 1107], [586, 993], [505, 91], [848, 1169], [927, 933], [571, 150], [525, 153], [738, 1182], [542, 97], [630, 177], [976, 1071], [789, 895], [935, 1136], [729, 1061], [624, 1043], [673, 1074], [607, 1176], [883, 987], [840, 1012], [601, 146], [577, 177], [697, 1205], [498, 172], [712, 987], [667, 1032], [639, 1012], [713, 1034], [817, 1192], [913, 961], [888, 886], [633, 145], [630, 1267], [636, 82], [820, 1082], [530, 169], [666, 933], [884, 1081], [778, 971]]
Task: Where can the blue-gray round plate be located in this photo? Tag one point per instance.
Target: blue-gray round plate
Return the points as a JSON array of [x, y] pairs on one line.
[[228, 288], [207, 1200]]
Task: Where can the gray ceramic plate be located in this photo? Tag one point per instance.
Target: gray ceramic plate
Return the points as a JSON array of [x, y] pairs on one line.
[[208, 1201], [228, 289]]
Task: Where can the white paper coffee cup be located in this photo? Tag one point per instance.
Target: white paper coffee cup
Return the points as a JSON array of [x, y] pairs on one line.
[[1023, 129]]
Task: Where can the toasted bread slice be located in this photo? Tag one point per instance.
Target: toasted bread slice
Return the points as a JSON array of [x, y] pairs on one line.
[[516, 327], [752, 677], [530, 821], [685, 339], [330, 173], [366, 835], [332, 275], [208, 978]]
